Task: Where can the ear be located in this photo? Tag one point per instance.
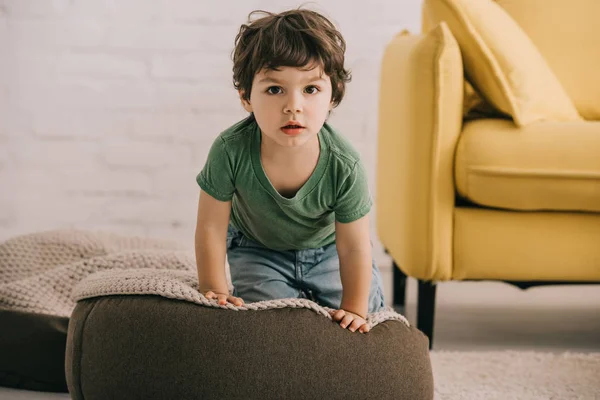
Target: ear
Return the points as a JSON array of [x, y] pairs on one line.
[[245, 103]]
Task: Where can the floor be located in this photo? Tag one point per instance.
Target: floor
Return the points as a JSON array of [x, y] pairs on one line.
[[16, 394], [481, 316]]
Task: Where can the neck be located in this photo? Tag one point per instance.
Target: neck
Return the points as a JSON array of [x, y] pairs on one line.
[[270, 149]]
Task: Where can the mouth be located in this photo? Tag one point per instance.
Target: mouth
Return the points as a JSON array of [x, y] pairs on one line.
[[292, 129]]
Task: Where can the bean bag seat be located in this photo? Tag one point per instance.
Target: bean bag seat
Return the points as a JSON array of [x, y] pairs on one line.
[[149, 334], [37, 274]]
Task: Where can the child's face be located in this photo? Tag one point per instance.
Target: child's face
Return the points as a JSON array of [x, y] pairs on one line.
[[290, 94]]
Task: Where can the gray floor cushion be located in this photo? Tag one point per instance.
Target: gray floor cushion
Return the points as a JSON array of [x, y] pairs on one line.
[[37, 274], [32, 351], [152, 347]]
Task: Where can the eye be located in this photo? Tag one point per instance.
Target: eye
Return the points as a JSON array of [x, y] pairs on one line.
[[312, 89], [273, 90]]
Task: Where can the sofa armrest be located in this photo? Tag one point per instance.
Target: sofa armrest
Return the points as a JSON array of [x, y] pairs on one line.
[[420, 120]]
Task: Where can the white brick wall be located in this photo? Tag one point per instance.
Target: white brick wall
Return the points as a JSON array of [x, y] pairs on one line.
[[108, 108]]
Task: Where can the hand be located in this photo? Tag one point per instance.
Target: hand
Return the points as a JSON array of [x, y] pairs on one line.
[[350, 321], [223, 298]]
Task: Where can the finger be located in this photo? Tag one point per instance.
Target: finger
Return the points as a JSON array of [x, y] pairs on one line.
[[338, 315], [346, 320], [235, 300], [364, 329], [357, 323]]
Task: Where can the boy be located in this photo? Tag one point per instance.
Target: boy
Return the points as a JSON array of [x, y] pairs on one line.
[[282, 193]]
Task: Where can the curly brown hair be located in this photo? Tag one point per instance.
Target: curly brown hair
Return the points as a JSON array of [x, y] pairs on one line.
[[296, 38]]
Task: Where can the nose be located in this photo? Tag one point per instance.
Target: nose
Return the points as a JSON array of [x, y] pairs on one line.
[[293, 104]]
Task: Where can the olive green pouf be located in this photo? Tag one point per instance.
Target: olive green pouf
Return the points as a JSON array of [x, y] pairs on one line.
[[152, 347]]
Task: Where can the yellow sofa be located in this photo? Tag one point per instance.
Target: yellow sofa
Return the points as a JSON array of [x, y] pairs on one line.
[[500, 182]]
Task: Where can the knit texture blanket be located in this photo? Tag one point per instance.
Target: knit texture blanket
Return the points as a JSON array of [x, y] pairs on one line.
[[48, 272]]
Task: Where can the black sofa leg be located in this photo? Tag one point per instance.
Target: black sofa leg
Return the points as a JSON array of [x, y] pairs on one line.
[[426, 309], [399, 289]]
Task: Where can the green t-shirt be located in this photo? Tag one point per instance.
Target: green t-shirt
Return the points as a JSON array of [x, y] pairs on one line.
[[336, 190]]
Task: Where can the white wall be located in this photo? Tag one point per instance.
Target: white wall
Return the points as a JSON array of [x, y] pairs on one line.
[[108, 108]]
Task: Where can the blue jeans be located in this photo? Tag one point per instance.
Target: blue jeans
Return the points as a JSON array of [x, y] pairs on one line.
[[259, 273]]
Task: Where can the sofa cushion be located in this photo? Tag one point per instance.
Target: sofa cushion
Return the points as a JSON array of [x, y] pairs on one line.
[[543, 166], [502, 62], [567, 34]]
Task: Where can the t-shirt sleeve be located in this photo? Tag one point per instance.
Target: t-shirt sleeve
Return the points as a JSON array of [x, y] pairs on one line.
[[216, 178], [353, 199]]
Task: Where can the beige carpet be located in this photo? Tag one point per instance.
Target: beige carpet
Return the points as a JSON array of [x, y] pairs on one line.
[[516, 375]]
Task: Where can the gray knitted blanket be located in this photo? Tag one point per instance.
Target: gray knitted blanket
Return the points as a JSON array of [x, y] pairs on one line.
[[48, 272]]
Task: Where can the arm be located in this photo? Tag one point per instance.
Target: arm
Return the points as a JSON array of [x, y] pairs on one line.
[[210, 244], [353, 244], [420, 121]]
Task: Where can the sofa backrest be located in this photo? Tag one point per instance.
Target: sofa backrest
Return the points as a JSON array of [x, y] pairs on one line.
[[567, 33]]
